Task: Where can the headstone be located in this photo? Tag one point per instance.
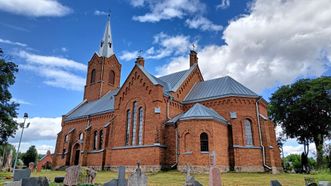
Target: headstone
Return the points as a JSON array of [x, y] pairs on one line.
[[21, 173], [214, 176], [14, 183], [59, 179], [275, 183], [120, 181], [190, 180], [35, 181], [138, 178], [72, 175], [91, 174], [324, 183], [31, 166]]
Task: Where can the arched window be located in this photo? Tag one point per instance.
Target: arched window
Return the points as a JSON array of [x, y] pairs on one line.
[[187, 142], [111, 77], [128, 122], [95, 140], [134, 124], [66, 138], [248, 132], [204, 142], [141, 125], [100, 139], [81, 136], [92, 76]]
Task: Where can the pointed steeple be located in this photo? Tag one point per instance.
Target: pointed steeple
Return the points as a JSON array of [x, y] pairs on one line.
[[106, 46]]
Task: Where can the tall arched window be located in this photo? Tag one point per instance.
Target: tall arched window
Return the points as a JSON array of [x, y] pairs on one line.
[[128, 122], [134, 124], [100, 139], [141, 125], [81, 136], [204, 142], [95, 140], [92, 76], [248, 132], [111, 77]]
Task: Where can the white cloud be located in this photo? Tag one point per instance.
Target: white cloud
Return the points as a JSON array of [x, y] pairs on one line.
[[203, 24], [35, 8], [41, 149], [224, 4], [165, 46], [64, 49], [100, 13], [58, 71], [12, 42], [21, 101], [274, 44], [168, 9], [40, 129]]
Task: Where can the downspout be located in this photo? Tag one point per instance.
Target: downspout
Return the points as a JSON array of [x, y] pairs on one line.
[[168, 117], [260, 133]]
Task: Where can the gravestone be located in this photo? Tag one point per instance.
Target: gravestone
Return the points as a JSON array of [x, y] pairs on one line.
[[324, 183], [35, 181], [190, 180], [214, 172], [275, 183], [138, 178], [91, 174], [31, 166], [72, 175], [21, 173], [120, 181]]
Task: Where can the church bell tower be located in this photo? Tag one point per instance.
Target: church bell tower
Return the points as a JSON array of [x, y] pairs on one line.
[[104, 70]]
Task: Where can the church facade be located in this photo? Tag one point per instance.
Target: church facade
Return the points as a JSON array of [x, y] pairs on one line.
[[165, 122]]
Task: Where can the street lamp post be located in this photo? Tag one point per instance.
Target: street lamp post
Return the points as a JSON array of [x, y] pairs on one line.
[[22, 125]]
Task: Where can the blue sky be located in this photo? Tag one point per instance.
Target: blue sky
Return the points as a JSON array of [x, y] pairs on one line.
[[261, 44]]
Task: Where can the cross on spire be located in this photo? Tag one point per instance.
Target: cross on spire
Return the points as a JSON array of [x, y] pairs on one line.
[[106, 47]]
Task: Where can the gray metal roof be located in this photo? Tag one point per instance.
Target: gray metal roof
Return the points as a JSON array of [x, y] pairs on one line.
[[102, 105], [216, 88], [198, 111], [177, 78]]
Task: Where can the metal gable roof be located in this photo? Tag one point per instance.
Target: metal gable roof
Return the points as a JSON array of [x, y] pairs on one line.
[[199, 111], [215, 88], [102, 105]]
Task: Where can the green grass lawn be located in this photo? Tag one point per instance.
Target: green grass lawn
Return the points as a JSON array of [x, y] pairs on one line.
[[178, 178]]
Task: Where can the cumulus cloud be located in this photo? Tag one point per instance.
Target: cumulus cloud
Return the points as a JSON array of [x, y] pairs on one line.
[[40, 129], [167, 9], [224, 4], [165, 45], [35, 8], [41, 149], [100, 13], [275, 43], [5, 41], [58, 72], [203, 24]]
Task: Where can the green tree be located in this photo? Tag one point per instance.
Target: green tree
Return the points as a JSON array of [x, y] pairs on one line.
[[303, 111], [31, 155], [8, 109]]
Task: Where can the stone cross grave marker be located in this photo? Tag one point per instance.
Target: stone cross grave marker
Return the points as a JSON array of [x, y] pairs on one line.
[[138, 178], [21, 173], [190, 180], [214, 173]]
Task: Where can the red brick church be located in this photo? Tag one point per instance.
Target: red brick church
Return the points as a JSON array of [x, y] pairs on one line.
[[165, 122]]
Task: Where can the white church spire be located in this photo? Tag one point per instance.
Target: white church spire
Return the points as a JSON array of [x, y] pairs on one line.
[[106, 46]]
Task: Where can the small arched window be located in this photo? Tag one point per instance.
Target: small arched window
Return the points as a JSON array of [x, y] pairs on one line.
[[100, 139], [141, 125], [111, 77], [187, 142], [248, 132], [92, 76], [204, 142], [95, 140], [81, 136], [128, 122]]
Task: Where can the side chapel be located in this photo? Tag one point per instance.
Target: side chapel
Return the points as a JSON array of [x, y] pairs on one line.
[[165, 122]]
